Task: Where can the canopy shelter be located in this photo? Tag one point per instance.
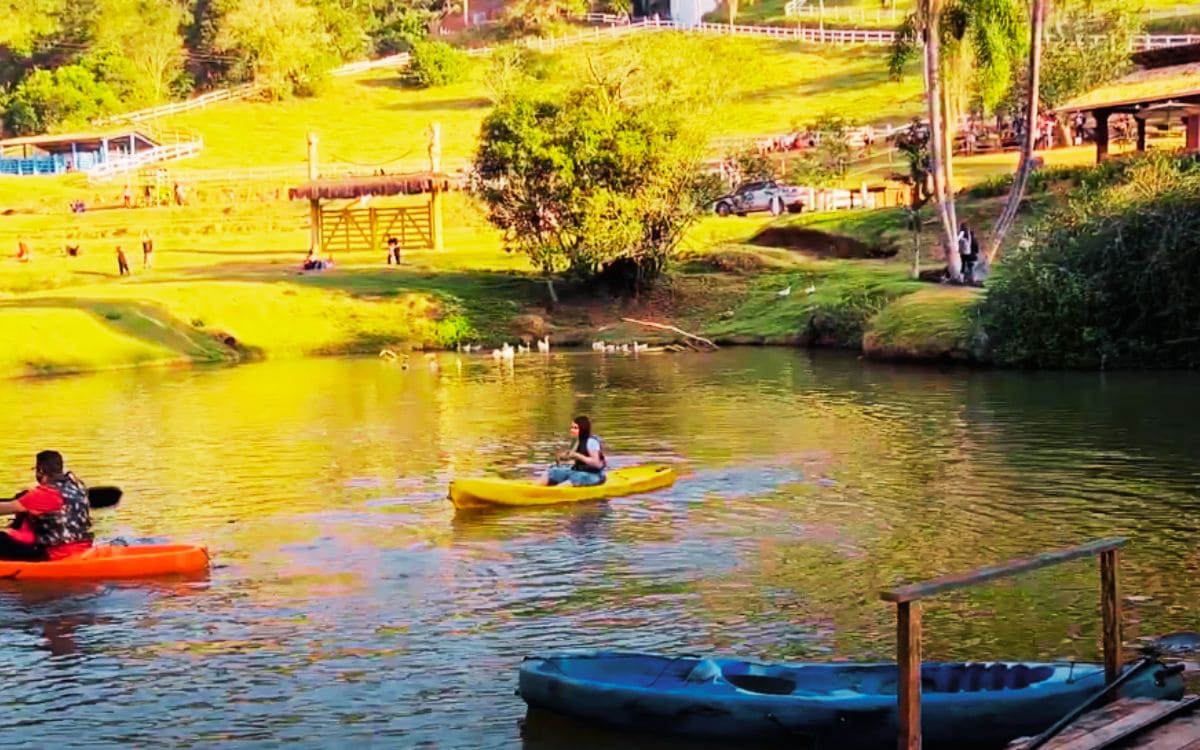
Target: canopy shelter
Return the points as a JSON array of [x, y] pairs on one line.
[[367, 227], [1155, 95], [68, 152]]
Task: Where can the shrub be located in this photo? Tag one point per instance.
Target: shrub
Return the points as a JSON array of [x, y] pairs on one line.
[[1111, 279], [436, 64], [69, 96]]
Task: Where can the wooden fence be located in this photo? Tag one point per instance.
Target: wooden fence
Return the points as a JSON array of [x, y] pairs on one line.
[[367, 229]]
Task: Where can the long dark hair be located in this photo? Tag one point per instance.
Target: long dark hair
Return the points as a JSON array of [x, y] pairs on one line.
[[585, 432]]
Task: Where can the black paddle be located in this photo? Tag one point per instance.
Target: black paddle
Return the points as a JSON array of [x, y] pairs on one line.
[[98, 497]]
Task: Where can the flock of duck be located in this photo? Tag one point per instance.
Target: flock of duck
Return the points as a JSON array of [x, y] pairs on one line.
[[507, 352]]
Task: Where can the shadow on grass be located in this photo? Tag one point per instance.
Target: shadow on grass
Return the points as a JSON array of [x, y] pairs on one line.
[[437, 105]]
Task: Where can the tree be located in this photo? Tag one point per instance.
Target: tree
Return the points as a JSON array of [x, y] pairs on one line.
[[27, 21], [968, 49], [535, 16], [137, 46], [914, 144], [591, 180], [70, 96], [279, 44], [1032, 107]]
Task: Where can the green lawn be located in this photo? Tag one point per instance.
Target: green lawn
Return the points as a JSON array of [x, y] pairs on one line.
[[376, 120]]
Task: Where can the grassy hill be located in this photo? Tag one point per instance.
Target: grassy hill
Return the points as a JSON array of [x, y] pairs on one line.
[[768, 86], [225, 282]]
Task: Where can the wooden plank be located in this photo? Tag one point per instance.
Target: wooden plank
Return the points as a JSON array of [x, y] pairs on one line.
[[1128, 726], [908, 658], [962, 580], [1110, 607]]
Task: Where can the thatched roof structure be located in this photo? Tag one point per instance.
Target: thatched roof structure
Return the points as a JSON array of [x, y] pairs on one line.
[[378, 185], [1137, 91]]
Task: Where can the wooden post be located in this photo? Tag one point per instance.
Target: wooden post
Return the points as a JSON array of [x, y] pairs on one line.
[[1141, 135], [1101, 116], [908, 658], [1191, 127], [314, 203], [1110, 608], [373, 223], [435, 198]]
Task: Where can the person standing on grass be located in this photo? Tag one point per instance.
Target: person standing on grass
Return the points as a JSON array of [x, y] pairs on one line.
[[147, 249], [393, 251], [122, 263]]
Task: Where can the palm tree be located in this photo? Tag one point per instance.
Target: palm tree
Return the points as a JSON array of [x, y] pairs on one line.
[[969, 48], [1032, 97]]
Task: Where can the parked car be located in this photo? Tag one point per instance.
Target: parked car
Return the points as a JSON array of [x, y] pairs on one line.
[[760, 195]]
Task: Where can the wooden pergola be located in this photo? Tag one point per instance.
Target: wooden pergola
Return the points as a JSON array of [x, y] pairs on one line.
[[354, 227], [1154, 95]]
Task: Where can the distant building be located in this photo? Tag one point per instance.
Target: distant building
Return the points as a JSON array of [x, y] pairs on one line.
[[69, 152], [691, 12], [475, 13]]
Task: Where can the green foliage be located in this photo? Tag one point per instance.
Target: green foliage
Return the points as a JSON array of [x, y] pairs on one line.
[[436, 64], [595, 177], [914, 144], [983, 44], [753, 164], [280, 44], [1112, 279], [826, 163], [137, 47], [1085, 49], [69, 96], [538, 16]]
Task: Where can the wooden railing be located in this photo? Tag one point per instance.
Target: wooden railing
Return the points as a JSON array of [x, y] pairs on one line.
[[908, 619]]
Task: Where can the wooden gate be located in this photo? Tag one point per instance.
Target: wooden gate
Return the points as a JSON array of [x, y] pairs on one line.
[[368, 229]]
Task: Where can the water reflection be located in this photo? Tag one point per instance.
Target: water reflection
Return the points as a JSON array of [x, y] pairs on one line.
[[350, 603]]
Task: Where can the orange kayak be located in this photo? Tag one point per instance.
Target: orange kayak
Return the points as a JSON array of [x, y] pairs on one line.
[[113, 562]]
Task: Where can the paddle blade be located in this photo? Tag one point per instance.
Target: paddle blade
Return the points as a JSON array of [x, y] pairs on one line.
[[104, 497]]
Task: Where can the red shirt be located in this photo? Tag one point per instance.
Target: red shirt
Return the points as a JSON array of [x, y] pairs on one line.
[[39, 500]]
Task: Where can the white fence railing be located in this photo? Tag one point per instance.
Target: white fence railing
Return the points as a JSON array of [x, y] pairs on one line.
[[860, 14], [107, 170], [233, 93]]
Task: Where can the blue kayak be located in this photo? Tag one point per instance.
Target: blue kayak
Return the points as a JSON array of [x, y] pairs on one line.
[[836, 705]]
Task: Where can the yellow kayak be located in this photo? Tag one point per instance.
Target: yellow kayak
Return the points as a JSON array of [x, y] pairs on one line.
[[481, 493]]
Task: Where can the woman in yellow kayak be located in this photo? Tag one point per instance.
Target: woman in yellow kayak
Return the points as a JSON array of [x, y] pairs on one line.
[[587, 454]]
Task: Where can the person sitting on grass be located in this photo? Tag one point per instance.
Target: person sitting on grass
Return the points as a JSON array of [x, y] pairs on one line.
[[313, 263], [51, 521], [587, 455]]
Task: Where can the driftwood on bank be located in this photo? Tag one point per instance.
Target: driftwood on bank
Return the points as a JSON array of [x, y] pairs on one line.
[[687, 336]]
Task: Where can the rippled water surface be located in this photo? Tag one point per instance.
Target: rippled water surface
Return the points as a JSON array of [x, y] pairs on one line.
[[349, 604]]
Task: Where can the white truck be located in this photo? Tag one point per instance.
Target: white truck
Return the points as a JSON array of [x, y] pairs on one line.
[[760, 195]]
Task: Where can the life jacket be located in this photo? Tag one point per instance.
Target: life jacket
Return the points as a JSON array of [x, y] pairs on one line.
[[581, 466], [71, 524]]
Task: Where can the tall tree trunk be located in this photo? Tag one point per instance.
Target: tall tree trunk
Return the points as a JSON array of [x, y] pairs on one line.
[[933, 99], [1032, 96], [949, 129]]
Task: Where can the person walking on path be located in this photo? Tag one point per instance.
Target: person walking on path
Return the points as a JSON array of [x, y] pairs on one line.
[[122, 262]]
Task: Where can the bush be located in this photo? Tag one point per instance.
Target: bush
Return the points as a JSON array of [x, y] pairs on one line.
[[436, 64], [1111, 279], [69, 96]]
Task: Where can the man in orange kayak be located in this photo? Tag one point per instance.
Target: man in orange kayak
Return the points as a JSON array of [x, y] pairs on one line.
[[53, 520]]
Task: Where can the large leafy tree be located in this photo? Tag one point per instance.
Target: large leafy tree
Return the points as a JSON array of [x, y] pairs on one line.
[[280, 44], [138, 47], [591, 179]]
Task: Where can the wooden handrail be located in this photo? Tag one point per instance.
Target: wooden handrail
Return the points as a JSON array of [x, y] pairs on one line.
[[954, 581], [908, 620]]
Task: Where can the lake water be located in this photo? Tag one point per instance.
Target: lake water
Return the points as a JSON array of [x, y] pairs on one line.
[[349, 604]]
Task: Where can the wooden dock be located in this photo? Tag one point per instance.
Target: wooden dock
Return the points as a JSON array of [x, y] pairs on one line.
[[1131, 724]]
